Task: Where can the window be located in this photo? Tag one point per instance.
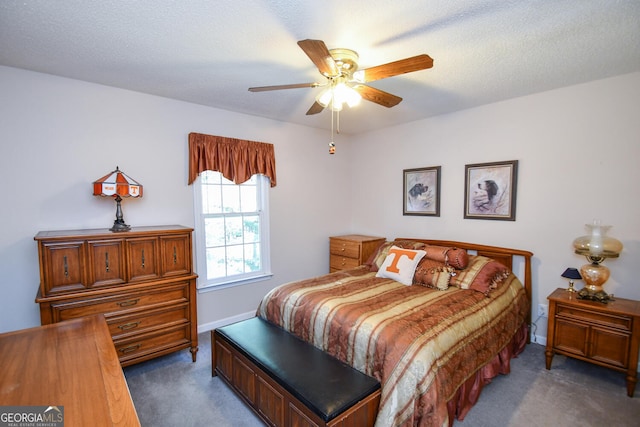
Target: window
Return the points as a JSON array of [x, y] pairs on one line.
[[232, 230]]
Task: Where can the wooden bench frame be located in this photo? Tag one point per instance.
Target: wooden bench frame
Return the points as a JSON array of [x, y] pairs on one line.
[[265, 394]]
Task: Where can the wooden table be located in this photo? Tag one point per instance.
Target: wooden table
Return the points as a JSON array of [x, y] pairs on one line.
[[604, 334], [72, 364]]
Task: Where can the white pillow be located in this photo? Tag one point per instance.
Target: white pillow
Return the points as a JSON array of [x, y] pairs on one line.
[[400, 264]]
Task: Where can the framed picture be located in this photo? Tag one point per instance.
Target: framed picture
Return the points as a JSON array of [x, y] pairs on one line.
[[490, 190], [421, 189]]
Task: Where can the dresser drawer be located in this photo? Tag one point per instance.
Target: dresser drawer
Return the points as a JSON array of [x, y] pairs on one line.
[[141, 322], [590, 316], [62, 267], [152, 344], [121, 304], [106, 263], [176, 259], [142, 257], [344, 248]]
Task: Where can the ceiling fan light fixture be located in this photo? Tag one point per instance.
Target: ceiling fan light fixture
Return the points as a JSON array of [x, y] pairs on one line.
[[338, 94], [345, 84], [324, 98], [344, 94], [335, 106], [341, 66]]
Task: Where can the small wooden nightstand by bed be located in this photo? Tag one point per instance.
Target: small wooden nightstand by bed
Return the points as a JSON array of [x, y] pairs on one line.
[[604, 334], [351, 250]]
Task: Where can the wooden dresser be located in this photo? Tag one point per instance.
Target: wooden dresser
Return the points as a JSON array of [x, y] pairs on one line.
[[605, 334], [141, 280], [71, 365], [352, 250]]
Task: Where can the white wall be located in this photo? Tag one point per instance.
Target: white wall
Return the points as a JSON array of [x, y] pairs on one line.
[[59, 135], [579, 153], [578, 149]]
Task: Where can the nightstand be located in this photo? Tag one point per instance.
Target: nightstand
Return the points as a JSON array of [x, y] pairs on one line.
[[604, 334], [351, 250]]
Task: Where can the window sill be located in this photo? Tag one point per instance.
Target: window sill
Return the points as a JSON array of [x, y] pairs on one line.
[[240, 282]]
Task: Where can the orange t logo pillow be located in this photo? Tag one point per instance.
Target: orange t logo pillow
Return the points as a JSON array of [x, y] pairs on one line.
[[400, 264], [393, 267]]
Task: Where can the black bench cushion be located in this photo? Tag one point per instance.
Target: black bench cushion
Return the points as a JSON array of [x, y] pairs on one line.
[[321, 382]]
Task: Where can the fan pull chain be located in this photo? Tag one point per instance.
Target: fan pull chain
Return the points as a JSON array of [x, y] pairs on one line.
[[332, 145]]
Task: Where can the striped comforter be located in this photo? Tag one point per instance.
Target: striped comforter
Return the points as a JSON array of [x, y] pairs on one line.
[[420, 343]]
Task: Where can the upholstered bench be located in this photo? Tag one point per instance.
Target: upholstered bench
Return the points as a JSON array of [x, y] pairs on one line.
[[288, 382]]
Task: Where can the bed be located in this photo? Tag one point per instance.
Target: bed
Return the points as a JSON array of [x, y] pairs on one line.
[[433, 340]]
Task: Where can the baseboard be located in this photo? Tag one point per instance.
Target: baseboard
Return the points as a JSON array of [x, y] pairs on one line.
[[539, 339], [226, 321]]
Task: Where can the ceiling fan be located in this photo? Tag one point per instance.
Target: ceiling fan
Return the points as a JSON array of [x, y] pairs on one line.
[[343, 79]]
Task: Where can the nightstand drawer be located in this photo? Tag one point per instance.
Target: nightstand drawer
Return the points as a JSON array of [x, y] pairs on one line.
[[590, 316], [571, 337], [609, 347], [343, 248], [342, 263]]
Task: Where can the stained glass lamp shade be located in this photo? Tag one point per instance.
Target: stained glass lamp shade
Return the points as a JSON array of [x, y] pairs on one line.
[[117, 184]]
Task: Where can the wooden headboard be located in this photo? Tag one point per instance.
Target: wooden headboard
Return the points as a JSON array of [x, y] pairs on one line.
[[502, 255]]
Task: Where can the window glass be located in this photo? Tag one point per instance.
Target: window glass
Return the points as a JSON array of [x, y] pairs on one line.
[[231, 233]]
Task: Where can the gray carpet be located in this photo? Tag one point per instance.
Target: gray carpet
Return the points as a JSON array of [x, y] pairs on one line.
[[172, 391]]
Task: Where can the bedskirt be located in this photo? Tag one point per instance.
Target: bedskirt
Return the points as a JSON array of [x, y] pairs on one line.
[[468, 393]]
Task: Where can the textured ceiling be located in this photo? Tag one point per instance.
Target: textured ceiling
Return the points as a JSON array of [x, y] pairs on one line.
[[211, 52]]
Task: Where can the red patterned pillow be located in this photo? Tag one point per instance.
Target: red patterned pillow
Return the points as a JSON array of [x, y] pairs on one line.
[[482, 274], [432, 274], [377, 258], [456, 258]]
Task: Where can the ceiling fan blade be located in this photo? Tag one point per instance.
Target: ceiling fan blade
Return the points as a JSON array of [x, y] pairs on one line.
[[278, 87], [315, 109], [403, 66], [317, 51], [378, 96]]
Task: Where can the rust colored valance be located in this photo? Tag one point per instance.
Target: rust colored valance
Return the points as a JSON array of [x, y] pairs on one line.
[[236, 159]]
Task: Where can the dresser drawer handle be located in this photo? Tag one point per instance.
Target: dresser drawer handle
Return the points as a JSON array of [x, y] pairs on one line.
[[128, 326], [66, 266], [129, 349], [129, 303]]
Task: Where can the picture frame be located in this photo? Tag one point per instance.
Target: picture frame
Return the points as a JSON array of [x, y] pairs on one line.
[[490, 190], [421, 191]]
